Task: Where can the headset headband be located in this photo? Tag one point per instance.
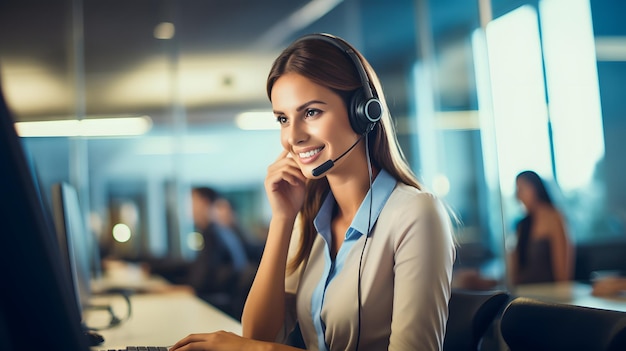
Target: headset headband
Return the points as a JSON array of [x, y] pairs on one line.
[[343, 46]]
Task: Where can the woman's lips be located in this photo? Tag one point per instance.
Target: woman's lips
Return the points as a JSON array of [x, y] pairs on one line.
[[309, 156]]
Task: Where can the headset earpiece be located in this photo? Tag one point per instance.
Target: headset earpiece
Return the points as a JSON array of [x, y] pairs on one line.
[[364, 112]]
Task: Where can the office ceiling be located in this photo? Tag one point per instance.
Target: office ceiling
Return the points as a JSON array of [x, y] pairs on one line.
[[215, 65]]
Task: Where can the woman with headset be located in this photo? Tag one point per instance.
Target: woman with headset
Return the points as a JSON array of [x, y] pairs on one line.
[[357, 254]]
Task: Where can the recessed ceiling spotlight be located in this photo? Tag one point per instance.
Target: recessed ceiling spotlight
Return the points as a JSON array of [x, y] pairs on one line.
[[164, 30]]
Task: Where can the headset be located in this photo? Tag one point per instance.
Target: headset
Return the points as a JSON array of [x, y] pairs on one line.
[[365, 109]]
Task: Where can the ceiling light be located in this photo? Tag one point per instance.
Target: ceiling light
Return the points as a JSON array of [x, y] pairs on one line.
[[457, 120], [301, 18], [95, 127], [610, 48], [256, 120], [164, 30]]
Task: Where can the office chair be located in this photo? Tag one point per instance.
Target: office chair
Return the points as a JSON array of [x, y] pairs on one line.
[[529, 324], [470, 315]]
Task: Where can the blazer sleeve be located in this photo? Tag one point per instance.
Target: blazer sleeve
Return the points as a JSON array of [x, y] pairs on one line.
[[424, 258]]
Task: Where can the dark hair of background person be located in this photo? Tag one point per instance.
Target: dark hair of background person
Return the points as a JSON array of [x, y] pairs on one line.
[[207, 193], [525, 224]]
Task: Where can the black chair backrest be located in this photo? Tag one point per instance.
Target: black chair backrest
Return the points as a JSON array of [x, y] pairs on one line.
[[529, 324], [470, 315]]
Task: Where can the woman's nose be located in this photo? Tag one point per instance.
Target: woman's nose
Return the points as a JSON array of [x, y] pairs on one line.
[[296, 133]]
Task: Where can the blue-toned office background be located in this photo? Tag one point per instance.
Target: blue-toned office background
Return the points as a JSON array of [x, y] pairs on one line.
[[479, 89]]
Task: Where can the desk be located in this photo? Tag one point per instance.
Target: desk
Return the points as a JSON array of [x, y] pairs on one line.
[[148, 284], [160, 319], [574, 293], [128, 276]]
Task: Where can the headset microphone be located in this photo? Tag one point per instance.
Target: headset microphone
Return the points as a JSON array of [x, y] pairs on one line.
[[324, 167]]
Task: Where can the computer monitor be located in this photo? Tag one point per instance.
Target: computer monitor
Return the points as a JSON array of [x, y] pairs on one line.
[[38, 309], [75, 242]]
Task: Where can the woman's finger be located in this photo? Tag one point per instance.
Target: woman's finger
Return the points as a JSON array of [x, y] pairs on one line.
[[283, 154]]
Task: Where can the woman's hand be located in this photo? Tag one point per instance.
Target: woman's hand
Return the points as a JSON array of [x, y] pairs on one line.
[[284, 185], [217, 341], [609, 286]]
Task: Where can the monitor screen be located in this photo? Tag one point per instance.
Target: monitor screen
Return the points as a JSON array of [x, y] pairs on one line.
[[38, 307], [74, 239]]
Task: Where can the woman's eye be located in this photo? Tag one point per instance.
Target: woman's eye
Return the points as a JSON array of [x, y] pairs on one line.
[[312, 112], [281, 119]]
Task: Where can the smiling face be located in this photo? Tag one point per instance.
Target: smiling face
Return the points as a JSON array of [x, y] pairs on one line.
[[314, 121]]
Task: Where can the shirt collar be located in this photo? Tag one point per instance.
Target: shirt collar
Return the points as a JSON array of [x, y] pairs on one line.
[[382, 187]]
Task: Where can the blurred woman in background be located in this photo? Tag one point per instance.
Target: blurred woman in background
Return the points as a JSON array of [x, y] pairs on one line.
[[544, 252]]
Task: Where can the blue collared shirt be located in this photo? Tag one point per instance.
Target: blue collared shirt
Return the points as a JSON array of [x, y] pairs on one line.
[[381, 189]]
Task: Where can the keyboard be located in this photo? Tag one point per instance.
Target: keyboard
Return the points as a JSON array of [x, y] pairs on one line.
[[139, 348]]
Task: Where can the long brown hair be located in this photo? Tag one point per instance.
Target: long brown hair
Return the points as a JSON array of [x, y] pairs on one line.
[[328, 66]]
